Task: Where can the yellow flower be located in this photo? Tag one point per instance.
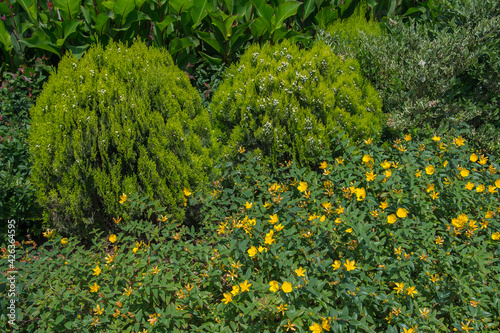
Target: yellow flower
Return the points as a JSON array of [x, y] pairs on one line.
[[128, 291], [409, 330], [227, 298], [48, 234], [245, 286], [300, 271], [94, 288], [418, 174], [466, 327], [274, 286], [274, 218], [339, 160], [98, 311], [369, 141], [429, 169], [497, 183], [64, 241], [391, 219], [459, 141], [336, 265], [112, 238], [483, 160], [370, 176], [278, 227], [385, 164], [488, 214], [464, 172], [424, 312], [495, 236], [323, 165], [325, 324], [123, 198], [401, 213], [411, 291], [473, 157], [436, 138], [492, 189], [241, 150], [252, 251], [316, 328], [302, 187], [269, 237], [384, 205], [282, 308], [388, 173], [434, 195], [480, 188], [97, 270], [350, 265], [445, 164], [118, 220], [187, 192], [155, 270], [248, 205], [408, 137], [235, 291], [360, 193], [287, 287], [399, 287], [261, 248], [469, 186], [349, 230]]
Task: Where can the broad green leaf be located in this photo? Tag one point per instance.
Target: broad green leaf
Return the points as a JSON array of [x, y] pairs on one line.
[[30, 7], [309, 7], [265, 12], [180, 6], [228, 22], [5, 37], [37, 42], [166, 22], [205, 36], [258, 27], [178, 44], [285, 10], [69, 27], [69, 8], [100, 23], [122, 9], [200, 10], [220, 26], [211, 60], [4, 8]]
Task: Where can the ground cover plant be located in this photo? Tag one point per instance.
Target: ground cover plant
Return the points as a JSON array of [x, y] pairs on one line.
[[119, 120], [403, 239]]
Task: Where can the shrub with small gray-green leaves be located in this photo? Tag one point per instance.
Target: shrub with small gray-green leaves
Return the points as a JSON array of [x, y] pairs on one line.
[[289, 102], [120, 120]]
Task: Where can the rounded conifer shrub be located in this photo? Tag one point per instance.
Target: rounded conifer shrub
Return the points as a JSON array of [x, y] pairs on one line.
[[120, 120], [290, 103]]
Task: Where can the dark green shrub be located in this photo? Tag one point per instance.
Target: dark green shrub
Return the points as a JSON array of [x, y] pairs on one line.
[[443, 72], [17, 194], [289, 102], [120, 120]]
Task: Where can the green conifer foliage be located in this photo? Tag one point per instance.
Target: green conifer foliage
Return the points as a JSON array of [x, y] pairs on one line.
[[119, 120], [290, 102]]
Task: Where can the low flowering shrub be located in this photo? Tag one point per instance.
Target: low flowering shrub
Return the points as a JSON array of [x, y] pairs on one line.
[[403, 239], [118, 121], [289, 103]]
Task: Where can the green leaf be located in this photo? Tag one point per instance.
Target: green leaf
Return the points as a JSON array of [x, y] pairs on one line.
[[200, 10], [100, 23], [5, 37], [30, 7], [122, 9], [59, 319], [205, 36], [180, 6], [211, 60], [285, 10], [166, 22], [265, 13], [308, 9], [69, 8], [178, 44], [37, 42]]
